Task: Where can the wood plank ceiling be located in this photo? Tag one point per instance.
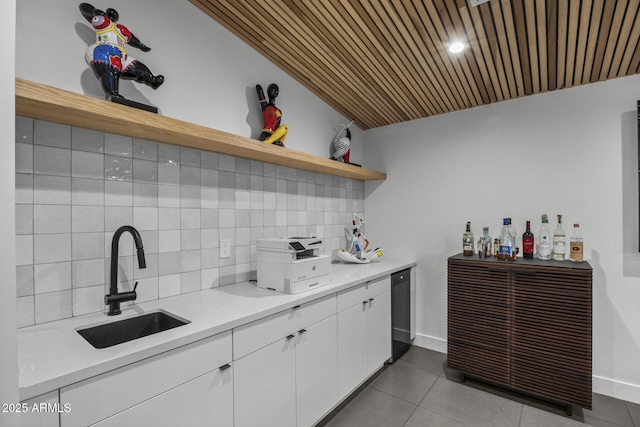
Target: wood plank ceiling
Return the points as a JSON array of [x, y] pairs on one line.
[[386, 61]]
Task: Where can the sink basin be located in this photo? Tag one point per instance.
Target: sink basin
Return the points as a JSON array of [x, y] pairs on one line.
[[132, 328]]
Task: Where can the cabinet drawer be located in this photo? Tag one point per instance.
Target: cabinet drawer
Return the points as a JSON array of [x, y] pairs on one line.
[[358, 294], [99, 397], [256, 335]]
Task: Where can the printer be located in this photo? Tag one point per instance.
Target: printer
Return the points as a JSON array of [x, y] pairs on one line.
[[292, 264]]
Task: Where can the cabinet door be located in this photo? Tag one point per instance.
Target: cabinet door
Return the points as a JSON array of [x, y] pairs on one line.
[[204, 401], [352, 348], [551, 333], [48, 417], [265, 387], [316, 371], [478, 313], [378, 330]]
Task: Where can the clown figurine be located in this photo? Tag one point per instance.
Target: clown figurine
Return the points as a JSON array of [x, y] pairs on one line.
[[272, 132], [108, 56]]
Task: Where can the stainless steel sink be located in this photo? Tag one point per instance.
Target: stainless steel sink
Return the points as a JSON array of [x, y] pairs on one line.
[[132, 328]]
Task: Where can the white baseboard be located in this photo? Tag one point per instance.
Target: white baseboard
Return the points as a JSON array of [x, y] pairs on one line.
[[431, 343], [617, 389], [600, 385]]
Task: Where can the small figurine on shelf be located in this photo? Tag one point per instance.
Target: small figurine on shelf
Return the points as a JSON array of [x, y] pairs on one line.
[[108, 56], [272, 131], [339, 149], [357, 253]]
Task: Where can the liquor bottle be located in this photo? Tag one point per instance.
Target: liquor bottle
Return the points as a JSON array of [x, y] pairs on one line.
[[575, 243], [559, 244], [496, 245], [505, 241], [544, 240], [513, 231], [467, 241], [485, 244], [527, 242]]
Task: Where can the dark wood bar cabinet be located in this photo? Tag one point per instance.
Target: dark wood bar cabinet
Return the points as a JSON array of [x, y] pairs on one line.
[[525, 325]]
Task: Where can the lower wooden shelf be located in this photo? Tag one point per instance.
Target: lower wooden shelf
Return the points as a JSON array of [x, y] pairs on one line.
[[44, 102]]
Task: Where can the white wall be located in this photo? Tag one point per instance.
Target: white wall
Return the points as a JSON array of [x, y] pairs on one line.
[[210, 75], [8, 349], [570, 152]]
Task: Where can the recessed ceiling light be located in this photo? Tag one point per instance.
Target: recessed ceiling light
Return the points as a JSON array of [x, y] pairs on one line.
[[456, 47]]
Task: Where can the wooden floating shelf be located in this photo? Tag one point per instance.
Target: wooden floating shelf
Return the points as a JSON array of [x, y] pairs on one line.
[[48, 103]]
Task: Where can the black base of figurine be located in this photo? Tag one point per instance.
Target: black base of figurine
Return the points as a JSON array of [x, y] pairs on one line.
[[134, 104], [354, 164]]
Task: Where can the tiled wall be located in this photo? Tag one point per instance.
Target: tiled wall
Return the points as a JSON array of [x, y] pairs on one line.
[[75, 187]]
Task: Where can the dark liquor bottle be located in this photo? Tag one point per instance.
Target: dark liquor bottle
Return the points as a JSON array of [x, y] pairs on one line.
[[527, 242], [467, 241]]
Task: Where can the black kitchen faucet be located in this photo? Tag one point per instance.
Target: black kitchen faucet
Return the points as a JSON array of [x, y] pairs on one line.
[[113, 299]]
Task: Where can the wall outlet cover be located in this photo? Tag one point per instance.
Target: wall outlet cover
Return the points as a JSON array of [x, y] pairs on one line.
[[225, 248]]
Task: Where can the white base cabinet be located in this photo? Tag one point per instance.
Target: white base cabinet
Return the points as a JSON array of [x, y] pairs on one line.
[[291, 381], [364, 332]]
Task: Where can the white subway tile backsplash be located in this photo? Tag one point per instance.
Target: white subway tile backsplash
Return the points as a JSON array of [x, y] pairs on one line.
[[169, 241], [53, 306], [24, 219], [25, 308], [85, 273], [24, 158], [52, 277], [169, 285], [88, 300], [24, 130], [87, 192], [118, 193], [51, 161], [145, 150], [49, 248], [87, 140], [88, 245], [24, 280], [87, 165], [75, 189], [86, 219], [118, 145], [117, 216], [51, 219], [52, 134]]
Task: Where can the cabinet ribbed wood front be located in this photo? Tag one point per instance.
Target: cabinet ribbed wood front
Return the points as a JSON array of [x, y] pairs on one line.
[[525, 324]]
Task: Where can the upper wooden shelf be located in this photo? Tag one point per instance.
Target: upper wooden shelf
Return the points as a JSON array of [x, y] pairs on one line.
[[60, 106]]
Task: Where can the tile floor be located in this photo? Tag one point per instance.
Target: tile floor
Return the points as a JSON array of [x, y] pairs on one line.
[[418, 390]]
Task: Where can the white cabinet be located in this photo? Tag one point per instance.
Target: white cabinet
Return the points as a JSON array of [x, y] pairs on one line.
[[286, 367], [204, 401], [146, 386], [41, 411], [364, 332]]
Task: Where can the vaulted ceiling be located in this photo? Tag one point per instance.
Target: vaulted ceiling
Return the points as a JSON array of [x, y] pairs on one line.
[[386, 61]]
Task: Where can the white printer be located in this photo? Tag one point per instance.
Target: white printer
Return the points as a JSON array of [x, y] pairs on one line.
[[292, 264]]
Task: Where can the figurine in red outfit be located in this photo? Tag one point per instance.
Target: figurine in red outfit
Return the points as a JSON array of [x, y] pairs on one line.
[[272, 131], [108, 56]]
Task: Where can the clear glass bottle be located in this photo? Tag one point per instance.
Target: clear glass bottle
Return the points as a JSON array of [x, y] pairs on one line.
[[559, 242], [467, 241], [527, 242], [485, 244], [575, 243], [505, 241], [513, 231], [544, 240]]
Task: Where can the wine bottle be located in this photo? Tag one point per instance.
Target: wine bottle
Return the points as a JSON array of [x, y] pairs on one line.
[[467, 241], [527, 242], [559, 243], [544, 240], [575, 243]]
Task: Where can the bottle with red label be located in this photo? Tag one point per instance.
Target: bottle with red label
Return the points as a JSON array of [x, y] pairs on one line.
[[527, 242]]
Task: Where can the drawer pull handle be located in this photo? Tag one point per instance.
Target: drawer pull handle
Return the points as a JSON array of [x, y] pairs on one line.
[[371, 299], [302, 331], [364, 302], [224, 367], [296, 306], [290, 336]]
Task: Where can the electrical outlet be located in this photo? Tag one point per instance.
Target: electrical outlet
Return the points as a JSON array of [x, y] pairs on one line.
[[225, 248]]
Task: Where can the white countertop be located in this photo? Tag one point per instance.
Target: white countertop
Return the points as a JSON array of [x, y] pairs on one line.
[[53, 355]]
